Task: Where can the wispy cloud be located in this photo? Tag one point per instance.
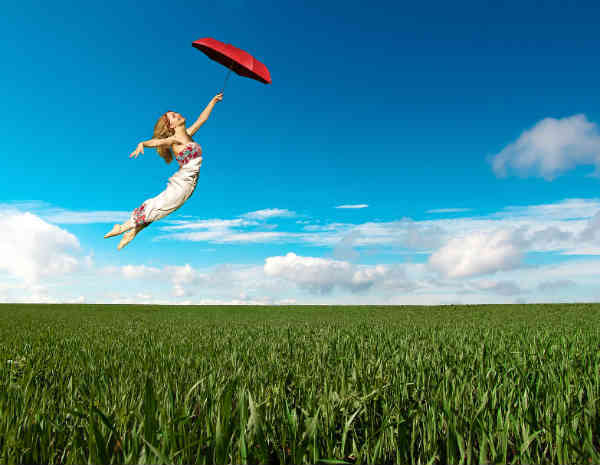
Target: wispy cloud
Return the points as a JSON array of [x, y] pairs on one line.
[[230, 237], [361, 205], [268, 213], [556, 285], [63, 216], [223, 231], [212, 224], [449, 210], [568, 209], [227, 231], [84, 217], [561, 227]]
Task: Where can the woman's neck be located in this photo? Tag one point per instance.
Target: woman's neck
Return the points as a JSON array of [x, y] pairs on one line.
[[180, 131]]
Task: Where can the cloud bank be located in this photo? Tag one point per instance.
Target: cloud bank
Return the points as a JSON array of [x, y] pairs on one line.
[[450, 260]]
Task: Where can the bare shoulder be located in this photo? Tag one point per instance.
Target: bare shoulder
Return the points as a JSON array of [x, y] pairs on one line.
[[178, 144]]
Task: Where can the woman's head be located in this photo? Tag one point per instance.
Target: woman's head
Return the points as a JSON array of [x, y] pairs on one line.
[[174, 119], [165, 127]]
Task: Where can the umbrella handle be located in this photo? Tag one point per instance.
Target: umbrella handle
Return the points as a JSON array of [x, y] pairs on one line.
[[226, 77]]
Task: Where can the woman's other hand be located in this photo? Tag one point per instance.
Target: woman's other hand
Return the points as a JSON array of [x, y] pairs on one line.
[[218, 97], [136, 152]]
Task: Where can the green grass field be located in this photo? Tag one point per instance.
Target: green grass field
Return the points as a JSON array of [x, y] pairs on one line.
[[145, 384]]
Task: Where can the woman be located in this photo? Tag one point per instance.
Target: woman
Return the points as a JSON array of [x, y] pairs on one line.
[[170, 136]]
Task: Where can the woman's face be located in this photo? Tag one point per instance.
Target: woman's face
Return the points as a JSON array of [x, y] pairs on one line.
[[175, 119]]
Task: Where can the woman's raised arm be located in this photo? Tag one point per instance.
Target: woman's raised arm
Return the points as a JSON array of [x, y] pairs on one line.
[[168, 141], [205, 114]]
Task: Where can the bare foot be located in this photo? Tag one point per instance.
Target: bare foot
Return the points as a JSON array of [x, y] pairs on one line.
[[118, 229], [127, 238]]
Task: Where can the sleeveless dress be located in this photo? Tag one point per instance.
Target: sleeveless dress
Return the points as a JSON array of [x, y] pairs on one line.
[[180, 187]]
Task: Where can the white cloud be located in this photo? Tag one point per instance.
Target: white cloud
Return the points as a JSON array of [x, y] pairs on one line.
[[336, 227], [43, 298], [258, 236], [556, 285], [131, 271], [204, 236], [219, 231], [567, 209], [231, 237], [182, 274], [449, 210], [479, 253], [140, 271], [362, 205], [404, 233], [562, 226], [31, 248], [321, 275], [216, 282], [138, 299], [264, 301], [214, 225], [506, 288], [269, 213], [294, 279], [462, 250], [63, 216], [551, 147], [420, 235], [180, 291], [592, 229], [317, 276], [586, 250], [344, 249], [185, 279]]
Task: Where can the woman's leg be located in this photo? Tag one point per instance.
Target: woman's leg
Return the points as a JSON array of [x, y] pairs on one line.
[[138, 218], [178, 190]]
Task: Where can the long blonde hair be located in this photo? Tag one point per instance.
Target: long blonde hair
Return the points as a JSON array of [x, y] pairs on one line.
[[162, 131]]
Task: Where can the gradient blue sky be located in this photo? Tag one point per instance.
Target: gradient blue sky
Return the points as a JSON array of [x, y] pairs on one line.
[[399, 107]]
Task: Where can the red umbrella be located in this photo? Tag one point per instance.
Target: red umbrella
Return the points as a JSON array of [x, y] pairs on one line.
[[236, 59]]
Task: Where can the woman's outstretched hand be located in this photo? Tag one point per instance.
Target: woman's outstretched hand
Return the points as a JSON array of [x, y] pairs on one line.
[[218, 97], [136, 152]]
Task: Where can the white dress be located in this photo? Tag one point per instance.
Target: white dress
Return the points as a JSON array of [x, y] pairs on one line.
[[179, 188]]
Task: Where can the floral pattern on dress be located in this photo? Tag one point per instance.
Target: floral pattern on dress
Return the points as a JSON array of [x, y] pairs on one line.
[[191, 151], [139, 216]]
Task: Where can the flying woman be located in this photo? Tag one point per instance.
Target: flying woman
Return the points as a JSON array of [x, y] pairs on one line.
[[170, 136]]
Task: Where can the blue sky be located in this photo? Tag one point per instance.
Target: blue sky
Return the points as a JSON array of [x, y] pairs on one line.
[[440, 120]]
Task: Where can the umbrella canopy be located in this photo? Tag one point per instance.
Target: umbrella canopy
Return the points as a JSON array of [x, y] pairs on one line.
[[236, 59]]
